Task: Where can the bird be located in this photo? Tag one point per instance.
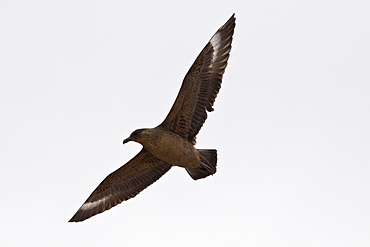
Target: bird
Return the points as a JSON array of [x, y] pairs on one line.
[[171, 143]]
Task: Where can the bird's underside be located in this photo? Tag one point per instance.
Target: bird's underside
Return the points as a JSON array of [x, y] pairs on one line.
[[172, 142]]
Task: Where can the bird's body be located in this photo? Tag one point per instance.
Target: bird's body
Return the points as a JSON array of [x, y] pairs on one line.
[[172, 142], [169, 147]]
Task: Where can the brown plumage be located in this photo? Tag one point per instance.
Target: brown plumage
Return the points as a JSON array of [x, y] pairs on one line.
[[172, 142]]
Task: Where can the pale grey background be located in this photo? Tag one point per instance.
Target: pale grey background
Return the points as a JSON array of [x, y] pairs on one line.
[[291, 122]]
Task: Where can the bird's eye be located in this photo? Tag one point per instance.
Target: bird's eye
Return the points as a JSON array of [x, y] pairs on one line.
[[135, 134]]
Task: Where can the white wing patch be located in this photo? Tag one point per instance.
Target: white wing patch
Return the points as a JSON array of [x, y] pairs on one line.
[[216, 43], [91, 205]]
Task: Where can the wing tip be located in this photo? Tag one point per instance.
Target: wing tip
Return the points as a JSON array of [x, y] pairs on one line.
[[82, 214], [76, 218]]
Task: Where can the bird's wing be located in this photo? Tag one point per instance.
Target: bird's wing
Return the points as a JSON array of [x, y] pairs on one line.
[[201, 85], [123, 184]]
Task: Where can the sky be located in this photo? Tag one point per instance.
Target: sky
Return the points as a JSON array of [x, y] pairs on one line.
[[291, 122]]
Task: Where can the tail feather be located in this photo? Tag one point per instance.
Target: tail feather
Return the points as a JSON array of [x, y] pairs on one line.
[[208, 162]]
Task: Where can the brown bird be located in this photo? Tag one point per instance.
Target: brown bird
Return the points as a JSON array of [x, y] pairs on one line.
[[172, 142]]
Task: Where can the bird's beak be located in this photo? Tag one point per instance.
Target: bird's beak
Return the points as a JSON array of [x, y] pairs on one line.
[[127, 140]]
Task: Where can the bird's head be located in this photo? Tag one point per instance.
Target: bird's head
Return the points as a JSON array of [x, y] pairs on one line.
[[137, 136]]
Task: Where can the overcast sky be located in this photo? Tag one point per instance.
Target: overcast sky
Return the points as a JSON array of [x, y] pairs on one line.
[[291, 122]]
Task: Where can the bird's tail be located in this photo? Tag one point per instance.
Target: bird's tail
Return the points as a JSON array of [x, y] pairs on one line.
[[208, 161]]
